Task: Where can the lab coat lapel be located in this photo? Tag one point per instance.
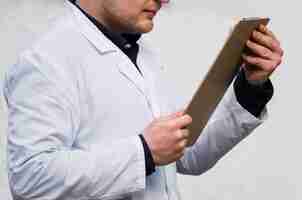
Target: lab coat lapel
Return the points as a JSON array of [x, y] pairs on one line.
[[150, 68], [127, 68], [90, 31], [149, 79], [104, 46]]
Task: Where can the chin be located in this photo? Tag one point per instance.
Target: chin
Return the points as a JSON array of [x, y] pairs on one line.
[[145, 27]]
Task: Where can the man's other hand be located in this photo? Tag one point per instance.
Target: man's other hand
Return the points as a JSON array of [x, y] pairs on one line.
[[166, 137], [265, 55]]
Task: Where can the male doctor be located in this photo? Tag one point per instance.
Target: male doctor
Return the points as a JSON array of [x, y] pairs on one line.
[[87, 113]]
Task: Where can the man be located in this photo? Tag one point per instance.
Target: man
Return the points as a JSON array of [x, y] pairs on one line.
[[85, 109]]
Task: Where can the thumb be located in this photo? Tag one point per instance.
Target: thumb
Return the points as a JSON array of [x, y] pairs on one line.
[[173, 115]]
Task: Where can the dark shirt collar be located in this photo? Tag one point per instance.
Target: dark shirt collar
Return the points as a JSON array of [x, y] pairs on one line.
[[123, 41]]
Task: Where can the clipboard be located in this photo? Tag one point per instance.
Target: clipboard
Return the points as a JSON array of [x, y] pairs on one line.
[[220, 76]]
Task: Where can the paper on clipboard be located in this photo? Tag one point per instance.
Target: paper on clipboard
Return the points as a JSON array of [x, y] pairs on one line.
[[220, 76]]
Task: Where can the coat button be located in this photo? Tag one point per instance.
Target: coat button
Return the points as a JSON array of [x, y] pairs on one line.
[[128, 46]]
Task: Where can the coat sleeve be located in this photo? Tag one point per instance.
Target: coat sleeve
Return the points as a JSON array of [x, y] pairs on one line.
[[42, 160], [229, 124]]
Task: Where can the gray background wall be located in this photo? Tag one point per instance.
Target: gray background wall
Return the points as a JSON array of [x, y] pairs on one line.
[[267, 165]]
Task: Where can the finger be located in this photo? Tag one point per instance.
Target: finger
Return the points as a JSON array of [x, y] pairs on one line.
[[261, 63], [181, 146], [185, 133], [179, 122], [182, 134], [180, 154], [261, 51], [267, 41], [172, 116], [266, 31]]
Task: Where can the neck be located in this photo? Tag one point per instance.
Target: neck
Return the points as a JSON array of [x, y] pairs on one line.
[[95, 9]]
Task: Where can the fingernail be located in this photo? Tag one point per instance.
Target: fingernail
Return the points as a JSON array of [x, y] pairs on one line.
[[263, 27], [186, 117], [179, 114]]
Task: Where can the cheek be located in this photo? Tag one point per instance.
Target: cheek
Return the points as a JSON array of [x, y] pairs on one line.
[[132, 16], [129, 14], [121, 9], [130, 8]]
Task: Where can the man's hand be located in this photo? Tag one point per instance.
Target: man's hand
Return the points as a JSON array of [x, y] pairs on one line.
[[264, 57], [166, 138]]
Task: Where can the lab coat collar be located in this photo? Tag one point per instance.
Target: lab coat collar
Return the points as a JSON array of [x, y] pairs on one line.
[[104, 46], [90, 31], [120, 40]]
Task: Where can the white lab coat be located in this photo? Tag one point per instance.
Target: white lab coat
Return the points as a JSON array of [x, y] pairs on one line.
[[76, 107]]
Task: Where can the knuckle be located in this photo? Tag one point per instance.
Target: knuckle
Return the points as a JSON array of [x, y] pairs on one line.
[[186, 133], [179, 148], [266, 53], [182, 145], [179, 135]]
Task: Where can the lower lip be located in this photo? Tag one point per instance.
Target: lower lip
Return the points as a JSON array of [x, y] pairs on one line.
[[150, 13]]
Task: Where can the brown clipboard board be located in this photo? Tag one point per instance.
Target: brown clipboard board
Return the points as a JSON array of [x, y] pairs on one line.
[[220, 76]]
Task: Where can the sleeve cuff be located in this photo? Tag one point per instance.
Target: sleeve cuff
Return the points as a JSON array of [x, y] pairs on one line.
[[149, 162], [252, 97]]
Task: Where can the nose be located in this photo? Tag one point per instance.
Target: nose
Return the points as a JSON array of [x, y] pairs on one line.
[[161, 2]]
